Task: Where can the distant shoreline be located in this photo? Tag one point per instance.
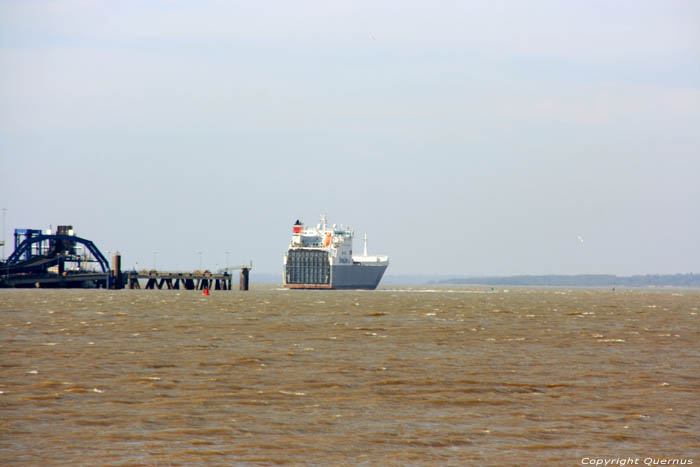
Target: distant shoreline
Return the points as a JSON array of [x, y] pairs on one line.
[[582, 280], [691, 280]]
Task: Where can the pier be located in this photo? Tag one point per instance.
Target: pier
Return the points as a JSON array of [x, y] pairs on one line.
[[187, 280]]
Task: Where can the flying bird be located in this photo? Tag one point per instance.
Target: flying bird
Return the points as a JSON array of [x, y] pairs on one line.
[[580, 238]]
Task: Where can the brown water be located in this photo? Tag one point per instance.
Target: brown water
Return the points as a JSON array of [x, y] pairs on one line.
[[389, 377]]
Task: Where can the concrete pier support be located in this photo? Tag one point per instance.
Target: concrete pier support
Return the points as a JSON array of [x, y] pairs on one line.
[[117, 278], [245, 273]]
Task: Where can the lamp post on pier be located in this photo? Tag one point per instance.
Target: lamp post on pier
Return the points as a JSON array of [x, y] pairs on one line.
[[4, 210]]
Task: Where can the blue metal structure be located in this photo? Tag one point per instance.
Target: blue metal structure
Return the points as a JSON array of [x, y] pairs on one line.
[[25, 234], [37, 251]]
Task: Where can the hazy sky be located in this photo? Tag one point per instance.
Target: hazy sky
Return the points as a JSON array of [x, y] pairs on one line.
[[476, 138]]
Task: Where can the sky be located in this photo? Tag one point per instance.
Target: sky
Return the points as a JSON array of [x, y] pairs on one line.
[[465, 138]]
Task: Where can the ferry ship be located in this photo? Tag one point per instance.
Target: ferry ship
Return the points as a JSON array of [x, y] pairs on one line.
[[321, 258]]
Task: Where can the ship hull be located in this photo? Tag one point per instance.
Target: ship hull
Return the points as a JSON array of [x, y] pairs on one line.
[[355, 276]]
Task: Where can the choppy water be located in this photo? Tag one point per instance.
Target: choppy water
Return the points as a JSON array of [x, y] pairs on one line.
[[388, 377]]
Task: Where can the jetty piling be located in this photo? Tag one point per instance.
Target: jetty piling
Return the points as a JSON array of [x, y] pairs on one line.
[[243, 282]]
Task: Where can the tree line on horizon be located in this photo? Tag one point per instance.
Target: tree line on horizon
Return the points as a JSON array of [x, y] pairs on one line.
[[584, 280]]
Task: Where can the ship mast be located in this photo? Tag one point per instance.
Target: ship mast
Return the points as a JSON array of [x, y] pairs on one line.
[[364, 253]]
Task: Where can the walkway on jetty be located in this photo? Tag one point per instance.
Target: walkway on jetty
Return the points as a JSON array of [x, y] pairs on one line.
[[187, 280]]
